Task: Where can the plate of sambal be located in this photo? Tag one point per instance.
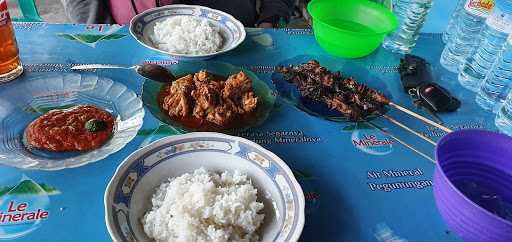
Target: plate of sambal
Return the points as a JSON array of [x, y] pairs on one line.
[[62, 120]]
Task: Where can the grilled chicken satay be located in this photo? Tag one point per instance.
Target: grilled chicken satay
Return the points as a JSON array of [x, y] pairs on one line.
[[355, 101]]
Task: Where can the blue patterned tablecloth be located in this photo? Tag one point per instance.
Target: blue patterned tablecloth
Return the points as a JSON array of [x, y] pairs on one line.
[[360, 185]]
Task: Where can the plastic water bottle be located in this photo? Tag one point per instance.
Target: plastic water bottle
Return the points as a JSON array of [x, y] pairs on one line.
[[452, 24], [497, 84], [498, 27], [467, 33], [411, 14], [504, 117]]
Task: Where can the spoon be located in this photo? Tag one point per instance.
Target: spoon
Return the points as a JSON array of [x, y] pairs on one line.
[[150, 71]]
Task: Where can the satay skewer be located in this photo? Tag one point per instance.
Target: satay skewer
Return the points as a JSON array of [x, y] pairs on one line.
[[403, 126], [421, 118], [401, 141], [343, 94]]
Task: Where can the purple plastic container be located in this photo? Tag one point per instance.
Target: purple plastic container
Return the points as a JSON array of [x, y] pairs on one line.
[[486, 158]]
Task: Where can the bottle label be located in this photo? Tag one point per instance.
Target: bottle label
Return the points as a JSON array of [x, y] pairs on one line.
[[500, 21], [480, 8], [4, 13]]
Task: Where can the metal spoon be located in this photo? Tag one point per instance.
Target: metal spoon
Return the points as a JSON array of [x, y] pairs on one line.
[[150, 71]]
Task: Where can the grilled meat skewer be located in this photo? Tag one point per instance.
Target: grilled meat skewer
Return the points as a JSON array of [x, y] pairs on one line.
[[351, 99]]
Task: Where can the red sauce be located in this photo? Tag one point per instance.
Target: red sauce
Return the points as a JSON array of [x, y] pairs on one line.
[[197, 124], [64, 130]]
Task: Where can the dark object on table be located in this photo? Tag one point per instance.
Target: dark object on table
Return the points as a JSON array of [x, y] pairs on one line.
[[353, 100], [155, 72], [414, 71], [437, 98], [417, 80]]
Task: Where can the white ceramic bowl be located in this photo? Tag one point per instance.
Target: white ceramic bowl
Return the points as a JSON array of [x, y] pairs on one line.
[[128, 195], [231, 30], [33, 95]]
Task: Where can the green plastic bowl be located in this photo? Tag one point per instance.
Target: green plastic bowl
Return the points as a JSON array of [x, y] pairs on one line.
[[350, 28]]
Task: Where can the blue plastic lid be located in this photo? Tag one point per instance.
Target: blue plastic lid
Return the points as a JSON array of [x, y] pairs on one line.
[[504, 5]]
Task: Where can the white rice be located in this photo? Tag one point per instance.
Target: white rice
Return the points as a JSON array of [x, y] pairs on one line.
[[205, 206], [189, 35]]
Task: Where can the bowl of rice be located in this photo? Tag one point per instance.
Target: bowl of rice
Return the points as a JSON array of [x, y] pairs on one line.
[[204, 187], [187, 31]]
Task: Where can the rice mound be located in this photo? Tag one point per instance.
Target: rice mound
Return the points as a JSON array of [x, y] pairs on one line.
[[205, 206], [188, 35]]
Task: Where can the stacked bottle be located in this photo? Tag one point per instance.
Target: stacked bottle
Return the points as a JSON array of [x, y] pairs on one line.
[[496, 85], [497, 28], [496, 91], [452, 24], [411, 14], [466, 36]]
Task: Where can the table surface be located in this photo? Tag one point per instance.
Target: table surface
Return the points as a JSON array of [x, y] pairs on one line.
[[343, 181]]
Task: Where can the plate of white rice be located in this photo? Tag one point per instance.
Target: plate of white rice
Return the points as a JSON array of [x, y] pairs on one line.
[[204, 187], [205, 206], [187, 35], [187, 31]]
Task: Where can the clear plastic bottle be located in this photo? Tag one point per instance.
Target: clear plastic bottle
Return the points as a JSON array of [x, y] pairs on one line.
[[497, 29], [452, 24], [504, 117], [467, 33], [497, 84], [412, 15]]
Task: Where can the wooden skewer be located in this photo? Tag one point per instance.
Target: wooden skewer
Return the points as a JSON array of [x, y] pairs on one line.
[[415, 115], [403, 126], [401, 142]]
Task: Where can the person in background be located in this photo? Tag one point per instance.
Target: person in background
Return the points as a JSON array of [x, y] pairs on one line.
[[252, 13]]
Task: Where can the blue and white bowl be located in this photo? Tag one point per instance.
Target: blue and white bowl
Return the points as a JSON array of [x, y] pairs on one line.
[[231, 30], [128, 195]]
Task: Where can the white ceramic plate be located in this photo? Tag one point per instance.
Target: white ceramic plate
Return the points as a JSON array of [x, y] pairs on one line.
[[128, 195]]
